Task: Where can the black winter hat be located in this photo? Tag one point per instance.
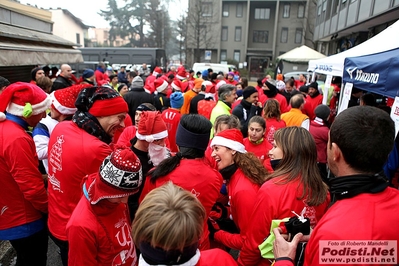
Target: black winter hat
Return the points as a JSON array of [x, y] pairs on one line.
[[248, 91], [322, 111], [33, 72]]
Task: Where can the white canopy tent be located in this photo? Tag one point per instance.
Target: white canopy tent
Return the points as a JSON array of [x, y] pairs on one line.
[[334, 64], [301, 54]]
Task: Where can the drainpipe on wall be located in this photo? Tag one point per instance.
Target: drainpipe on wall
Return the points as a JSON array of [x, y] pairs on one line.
[[275, 30], [305, 23], [246, 59]]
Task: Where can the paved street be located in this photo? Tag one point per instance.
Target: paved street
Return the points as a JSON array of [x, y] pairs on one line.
[[53, 258]]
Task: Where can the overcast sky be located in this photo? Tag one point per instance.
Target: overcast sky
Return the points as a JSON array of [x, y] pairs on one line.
[[87, 10]]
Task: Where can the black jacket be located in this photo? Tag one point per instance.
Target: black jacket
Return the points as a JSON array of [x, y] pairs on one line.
[[60, 83], [135, 97], [245, 111], [161, 101], [194, 103]]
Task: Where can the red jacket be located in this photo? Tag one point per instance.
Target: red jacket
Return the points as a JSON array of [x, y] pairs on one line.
[[127, 134], [171, 117], [319, 132], [101, 78], [261, 151], [275, 201], [23, 196], [196, 176], [242, 196], [214, 257], [73, 154], [209, 257], [363, 217], [232, 82], [208, 156], [272, 125], [311, 104], [280, 98], [100, 234]]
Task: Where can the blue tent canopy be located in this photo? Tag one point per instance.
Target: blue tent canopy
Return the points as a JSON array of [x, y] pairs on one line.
[[377, 73]]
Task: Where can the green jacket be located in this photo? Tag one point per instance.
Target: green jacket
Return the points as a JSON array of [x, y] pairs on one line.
[[220, 109]]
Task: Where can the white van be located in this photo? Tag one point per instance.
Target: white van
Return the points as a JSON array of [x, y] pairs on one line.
[[215, 67]]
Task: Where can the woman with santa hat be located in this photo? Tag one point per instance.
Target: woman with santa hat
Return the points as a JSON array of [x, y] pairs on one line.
[[244, 174], [189, 169]]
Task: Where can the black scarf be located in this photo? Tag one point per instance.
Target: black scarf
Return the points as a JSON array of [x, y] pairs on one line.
[[271, 93], [228, 171], [158, 256], [345, 187], [90, 124], [226, 103]]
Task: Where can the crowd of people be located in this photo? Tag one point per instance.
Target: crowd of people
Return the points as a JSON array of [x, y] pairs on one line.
[[180, 168]]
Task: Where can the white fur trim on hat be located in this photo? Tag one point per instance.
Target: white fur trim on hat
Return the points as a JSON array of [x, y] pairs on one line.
[[234, 145], [180, 77], [162, 87], [175, 86], [38, 108], [153, 137], [60, 108]]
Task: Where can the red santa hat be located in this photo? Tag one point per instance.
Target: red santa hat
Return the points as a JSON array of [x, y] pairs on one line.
[[176, 84], [151, 127], [120, 175], [23, 99], [64, 100], [181, 73], [160, 84], [230, 138], [156, 71]]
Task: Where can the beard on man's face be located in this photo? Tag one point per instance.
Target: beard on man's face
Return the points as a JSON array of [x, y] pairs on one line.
[[157, 153]]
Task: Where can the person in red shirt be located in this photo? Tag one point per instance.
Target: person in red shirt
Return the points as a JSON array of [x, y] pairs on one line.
[[300, 82], [256, 143], [243, 174], [362, 201], [101, 77], [313, 100], [272, 115], [270, 92], [230, 79], [23, 195], [101, 112], [319, 129], [189, 169], [295, 185], [99, 230], [167, 227], [171, 117]]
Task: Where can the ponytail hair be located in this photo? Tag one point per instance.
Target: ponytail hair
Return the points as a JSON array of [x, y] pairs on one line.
[[193, 124]]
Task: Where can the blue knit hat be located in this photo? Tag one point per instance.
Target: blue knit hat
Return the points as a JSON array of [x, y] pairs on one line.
[[176, 100], [204, 73], [88, 73]]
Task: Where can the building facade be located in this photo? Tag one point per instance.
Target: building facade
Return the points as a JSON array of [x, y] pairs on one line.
[[100, 37], [69, 27], [342, 24], [252, 33]]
